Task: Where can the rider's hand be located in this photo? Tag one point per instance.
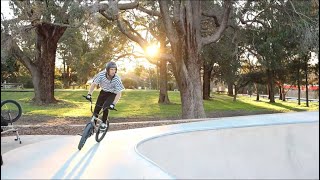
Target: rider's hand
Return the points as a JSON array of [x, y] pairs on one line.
[[88, 97], [112, 106]]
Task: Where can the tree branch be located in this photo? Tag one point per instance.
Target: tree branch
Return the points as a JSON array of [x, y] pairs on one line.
[[246, 8], [138, 39], [126, 6], [129, 54], [212, 15], [216, 36], [149, 12], [170, 31], [12, 49], [133, 30], [258, 56], [300, 14]]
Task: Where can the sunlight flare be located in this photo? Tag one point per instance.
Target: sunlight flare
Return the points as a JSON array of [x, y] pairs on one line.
[[152, 50]]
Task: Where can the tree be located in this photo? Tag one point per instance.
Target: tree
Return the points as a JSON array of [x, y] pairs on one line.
[[70, 49], [182, 28], [306, 28], [32, 37], [276, 27], [209, 57]]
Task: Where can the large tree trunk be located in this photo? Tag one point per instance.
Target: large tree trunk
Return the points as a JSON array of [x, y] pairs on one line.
[[188, 67], [207, 69], [230, 88], [163, 95], [280, 92], [68, 77], [299, 88], [189, 81], [190, 91], [257, 91], [163, 84], [271, 85], [306, 71], [283, 93], [46, 46], [186, 51], [235, 93], [42, 68]]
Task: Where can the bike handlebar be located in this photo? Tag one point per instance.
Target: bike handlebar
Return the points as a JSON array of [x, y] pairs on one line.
[[91, 104]]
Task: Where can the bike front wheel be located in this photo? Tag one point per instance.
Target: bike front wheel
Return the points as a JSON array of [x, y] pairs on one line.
[[85, 135], [11, 110], [101, 133]]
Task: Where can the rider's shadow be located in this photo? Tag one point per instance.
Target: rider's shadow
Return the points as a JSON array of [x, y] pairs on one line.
[[80, 166]]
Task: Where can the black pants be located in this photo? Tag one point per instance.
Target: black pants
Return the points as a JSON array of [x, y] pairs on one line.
[[104, 100]]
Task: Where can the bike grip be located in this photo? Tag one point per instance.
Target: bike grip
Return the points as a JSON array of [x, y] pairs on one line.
[[86, 98]]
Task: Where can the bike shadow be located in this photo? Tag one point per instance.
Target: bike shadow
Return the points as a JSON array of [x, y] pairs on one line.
[[78, 165]]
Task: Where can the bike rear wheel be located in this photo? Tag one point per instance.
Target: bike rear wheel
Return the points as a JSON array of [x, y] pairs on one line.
[[100, 134], [87, 132], [11, 111]]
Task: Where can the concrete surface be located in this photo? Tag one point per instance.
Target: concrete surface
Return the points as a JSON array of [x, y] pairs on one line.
[[260, 146], [272, 152], [8, 143]]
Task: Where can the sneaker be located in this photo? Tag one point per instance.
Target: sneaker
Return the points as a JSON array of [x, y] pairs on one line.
[[103, 126]]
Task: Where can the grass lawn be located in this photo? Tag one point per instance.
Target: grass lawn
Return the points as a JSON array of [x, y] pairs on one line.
[[142, 103]]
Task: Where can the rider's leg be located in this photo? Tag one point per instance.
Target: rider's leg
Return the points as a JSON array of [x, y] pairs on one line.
[[100, 100], [109, 100]]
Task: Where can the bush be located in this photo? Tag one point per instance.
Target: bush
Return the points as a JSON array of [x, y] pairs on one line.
[[129, 84], [58, 84], [26, 80]]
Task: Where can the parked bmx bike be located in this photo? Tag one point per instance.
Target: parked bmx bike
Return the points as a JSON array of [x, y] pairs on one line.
[[94, 127], [11, 111]]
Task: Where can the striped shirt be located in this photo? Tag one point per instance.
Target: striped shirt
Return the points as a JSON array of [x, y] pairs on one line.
[[115, 85]]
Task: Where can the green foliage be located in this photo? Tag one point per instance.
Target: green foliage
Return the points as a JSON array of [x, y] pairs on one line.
[[129, 83], [25, 77], [58, 84], [9, 69], [289, 32]]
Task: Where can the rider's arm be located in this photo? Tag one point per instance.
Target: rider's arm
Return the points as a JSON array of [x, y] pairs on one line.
[[91, 89], [116, 99]]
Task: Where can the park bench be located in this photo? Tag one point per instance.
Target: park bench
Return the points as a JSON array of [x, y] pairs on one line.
[[12, 86], [221, 92]]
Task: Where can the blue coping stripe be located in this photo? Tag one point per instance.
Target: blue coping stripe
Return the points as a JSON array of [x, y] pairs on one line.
[[233, 122]]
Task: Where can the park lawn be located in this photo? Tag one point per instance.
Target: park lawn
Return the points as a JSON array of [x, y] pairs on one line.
[[144, 103]]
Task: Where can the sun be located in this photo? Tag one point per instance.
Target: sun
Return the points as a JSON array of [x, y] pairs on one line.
[[152, 50]]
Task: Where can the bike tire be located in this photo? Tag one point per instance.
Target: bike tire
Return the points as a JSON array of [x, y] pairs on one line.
[[11, 110], [86, 133], [98, 133]]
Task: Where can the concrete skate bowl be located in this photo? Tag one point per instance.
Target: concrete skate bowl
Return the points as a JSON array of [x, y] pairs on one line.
[[286, 151]]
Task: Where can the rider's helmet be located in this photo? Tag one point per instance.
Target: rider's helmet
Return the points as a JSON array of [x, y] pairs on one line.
[[111, 64]]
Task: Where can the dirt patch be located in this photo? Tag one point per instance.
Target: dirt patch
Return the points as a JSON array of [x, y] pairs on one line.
[[46, 125]]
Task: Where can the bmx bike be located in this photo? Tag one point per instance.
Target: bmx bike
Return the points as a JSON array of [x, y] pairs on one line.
[[94, 127], [11, 111]]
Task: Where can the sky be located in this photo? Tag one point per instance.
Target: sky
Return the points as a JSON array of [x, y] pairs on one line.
[[5, 8]]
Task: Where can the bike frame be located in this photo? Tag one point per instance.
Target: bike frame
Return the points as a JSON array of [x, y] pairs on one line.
[[13, 129], [98, 120], [94, 126]]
